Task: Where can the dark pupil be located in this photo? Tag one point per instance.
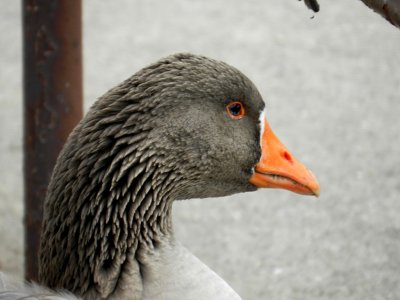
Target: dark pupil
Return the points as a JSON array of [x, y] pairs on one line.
[[235, 109]]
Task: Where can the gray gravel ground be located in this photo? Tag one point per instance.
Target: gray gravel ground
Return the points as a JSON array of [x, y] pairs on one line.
[[332, 84]]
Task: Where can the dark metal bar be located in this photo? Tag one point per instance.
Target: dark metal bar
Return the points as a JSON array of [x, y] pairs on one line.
[[52, 39]]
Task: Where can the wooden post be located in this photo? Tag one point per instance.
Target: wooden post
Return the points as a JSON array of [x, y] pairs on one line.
[[52, 54]]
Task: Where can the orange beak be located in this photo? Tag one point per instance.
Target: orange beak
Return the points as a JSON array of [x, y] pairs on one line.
[[278, 168]]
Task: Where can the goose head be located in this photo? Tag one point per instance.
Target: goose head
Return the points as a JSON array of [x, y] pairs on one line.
[[209, 123], [185, 127]]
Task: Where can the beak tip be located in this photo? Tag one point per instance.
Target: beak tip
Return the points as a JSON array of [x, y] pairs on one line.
[[316, 191]]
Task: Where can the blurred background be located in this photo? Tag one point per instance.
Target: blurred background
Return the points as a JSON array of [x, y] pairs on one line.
[[331, 81]]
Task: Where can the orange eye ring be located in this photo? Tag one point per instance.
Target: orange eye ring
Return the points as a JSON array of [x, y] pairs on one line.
[[235, 110]]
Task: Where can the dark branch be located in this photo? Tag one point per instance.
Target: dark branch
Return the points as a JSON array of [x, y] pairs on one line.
[[389, 9], [312, 4]]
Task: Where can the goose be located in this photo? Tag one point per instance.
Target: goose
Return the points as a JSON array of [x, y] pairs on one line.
[[184, 127]]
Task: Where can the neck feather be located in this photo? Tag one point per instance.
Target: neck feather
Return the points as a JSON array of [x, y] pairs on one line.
[[110, 194]]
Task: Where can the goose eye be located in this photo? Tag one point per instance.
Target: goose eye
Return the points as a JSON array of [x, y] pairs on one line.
[[235, 110]]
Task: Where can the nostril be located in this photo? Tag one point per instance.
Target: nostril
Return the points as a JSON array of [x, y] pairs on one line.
[[287, 156]]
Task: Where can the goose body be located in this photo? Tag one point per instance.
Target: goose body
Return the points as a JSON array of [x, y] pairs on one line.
[[190, 279], [185, 127]]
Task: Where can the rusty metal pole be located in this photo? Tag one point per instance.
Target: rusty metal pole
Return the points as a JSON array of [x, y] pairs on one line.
[[52, 54]]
